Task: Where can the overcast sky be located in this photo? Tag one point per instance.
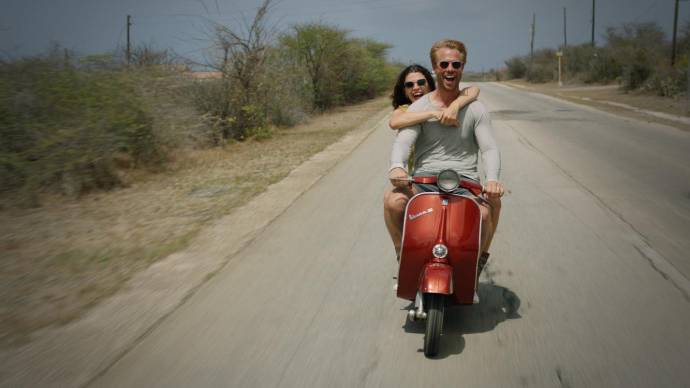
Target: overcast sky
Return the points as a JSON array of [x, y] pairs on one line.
[[493, 30]]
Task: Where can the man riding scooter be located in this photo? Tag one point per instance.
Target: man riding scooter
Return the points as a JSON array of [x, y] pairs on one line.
[[439, 147]]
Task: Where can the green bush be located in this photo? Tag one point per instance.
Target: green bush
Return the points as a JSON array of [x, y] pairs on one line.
[[603, 67], [517, 68], [668, 81], [286, 102], [635, 54], [577, 59], [543, 66], [63, 128], [249, 121], [637, 48], [636, 73]]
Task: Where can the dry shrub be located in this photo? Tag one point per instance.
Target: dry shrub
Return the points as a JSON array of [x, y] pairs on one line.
[[69, 129]]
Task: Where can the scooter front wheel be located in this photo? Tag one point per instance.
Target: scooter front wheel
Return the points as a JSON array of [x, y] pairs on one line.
[[436, 305]]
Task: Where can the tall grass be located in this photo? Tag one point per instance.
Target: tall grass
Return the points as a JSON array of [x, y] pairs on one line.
[[70, 129]]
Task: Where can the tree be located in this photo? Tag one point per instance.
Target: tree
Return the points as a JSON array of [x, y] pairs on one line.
[[319, 48], [636, 48], [517, 68], [339, 69], [242, 61]]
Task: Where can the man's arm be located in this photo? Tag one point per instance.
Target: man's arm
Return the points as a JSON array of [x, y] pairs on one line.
[[483, 132], [400, 153]]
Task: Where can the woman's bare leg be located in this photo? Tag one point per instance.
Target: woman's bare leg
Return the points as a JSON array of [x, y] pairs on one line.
[[394, 202]]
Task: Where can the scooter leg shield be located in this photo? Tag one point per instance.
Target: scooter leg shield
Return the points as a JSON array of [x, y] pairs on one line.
[[437, 278]]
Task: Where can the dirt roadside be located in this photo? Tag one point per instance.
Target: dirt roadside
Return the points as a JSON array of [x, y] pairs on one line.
[[64, 258], [77, 352], [674, 112]]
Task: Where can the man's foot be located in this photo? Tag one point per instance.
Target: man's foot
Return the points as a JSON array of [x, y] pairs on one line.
[[483, 259]]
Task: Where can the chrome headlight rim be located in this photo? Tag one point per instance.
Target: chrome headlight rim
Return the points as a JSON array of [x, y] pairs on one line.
[[448, 180], [439, 251]]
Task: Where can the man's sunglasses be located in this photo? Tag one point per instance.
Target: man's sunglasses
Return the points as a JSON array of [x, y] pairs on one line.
[[455, 64], [420, 82]]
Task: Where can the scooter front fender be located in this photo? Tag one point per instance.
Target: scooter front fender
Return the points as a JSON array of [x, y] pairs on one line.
[[436, 278]]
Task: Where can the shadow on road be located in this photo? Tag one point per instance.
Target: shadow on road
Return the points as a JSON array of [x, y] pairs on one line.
[[496, 305]]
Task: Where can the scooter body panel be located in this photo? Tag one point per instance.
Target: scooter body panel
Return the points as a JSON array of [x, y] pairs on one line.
[[421, 231]]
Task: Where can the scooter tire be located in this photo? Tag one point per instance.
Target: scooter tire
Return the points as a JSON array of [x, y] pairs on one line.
[[436, 305]]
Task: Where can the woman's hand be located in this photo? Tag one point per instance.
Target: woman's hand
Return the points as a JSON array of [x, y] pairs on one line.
[[449, 116]]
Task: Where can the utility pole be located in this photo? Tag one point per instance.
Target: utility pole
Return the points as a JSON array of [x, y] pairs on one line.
[[565, 35], [129, 52], [562, 52], [675, 27], [593, 14], [531, 45]]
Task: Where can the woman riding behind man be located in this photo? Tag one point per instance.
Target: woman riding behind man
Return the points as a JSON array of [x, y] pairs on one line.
[[414, 82]]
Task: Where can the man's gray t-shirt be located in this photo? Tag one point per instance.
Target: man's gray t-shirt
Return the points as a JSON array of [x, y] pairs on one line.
[[438, 147]]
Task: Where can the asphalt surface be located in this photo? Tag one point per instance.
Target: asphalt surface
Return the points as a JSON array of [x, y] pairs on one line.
[[587, 287]]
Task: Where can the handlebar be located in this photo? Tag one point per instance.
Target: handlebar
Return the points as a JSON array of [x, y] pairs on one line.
[[474, 187]]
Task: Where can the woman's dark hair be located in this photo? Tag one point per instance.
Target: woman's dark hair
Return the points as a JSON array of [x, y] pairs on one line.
[[398, 96]]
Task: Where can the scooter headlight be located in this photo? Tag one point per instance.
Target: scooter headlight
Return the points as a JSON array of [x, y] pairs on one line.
[[439, 251], [448, 180]]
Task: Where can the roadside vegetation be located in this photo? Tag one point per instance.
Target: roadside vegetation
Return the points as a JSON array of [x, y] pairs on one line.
[[635, 55], [160, 150], [71, 125]]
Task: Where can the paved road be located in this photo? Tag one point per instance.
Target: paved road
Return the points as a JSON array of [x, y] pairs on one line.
[[588, 285]]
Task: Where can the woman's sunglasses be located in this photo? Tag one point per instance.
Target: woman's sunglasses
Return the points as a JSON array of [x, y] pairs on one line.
[[420, 82], [455, 64]]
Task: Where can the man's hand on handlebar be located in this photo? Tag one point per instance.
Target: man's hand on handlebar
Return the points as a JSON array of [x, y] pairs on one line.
[[494, 189], [399, 178]]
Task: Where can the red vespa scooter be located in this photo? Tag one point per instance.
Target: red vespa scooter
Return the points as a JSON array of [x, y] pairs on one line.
[[440, 251]]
